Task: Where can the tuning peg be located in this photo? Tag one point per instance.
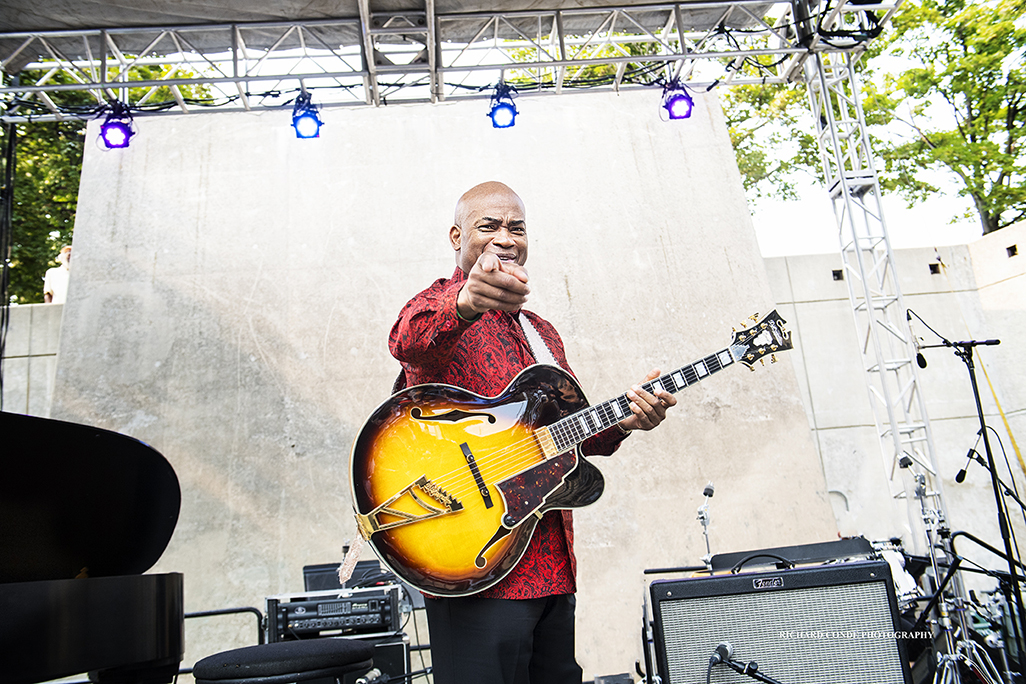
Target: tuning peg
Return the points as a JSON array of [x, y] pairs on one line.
[[773, 358], [751, 368], [754, 316], [762, 362]]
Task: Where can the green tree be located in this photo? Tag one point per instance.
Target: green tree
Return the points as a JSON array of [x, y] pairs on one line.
[[49, 165], [543, 75], [959, 106], [47, 170], [771, 130]]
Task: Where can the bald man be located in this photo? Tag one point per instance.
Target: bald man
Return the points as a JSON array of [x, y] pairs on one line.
[[471, 331]]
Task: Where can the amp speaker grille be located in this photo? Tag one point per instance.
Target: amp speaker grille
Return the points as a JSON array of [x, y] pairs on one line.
[[810, 626]]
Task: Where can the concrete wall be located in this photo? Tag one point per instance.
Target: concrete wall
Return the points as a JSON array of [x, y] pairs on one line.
[[234, 289], [979, 292], [30, 358]]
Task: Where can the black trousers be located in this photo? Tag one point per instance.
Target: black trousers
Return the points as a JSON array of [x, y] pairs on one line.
[[503, 641]]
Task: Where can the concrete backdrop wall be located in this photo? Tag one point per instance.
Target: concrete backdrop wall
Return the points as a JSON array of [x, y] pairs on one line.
[[234, 288], [975, 291]]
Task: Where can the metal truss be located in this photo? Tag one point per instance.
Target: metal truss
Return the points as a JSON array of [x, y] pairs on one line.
[[380, 58], [400, 57], [877, 305]]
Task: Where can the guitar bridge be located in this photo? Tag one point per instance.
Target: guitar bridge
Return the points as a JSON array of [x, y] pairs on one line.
[[441, 503]]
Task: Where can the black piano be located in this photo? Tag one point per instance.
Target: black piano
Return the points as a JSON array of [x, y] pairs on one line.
[[84, 512]]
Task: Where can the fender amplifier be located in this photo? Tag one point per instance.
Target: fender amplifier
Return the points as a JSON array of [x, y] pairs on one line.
[[830, 623]]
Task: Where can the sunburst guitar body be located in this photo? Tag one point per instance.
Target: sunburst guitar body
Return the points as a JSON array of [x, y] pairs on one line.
[[448, 486]]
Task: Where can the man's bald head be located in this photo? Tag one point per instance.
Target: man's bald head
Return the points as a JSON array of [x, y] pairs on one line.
[[482, 193]]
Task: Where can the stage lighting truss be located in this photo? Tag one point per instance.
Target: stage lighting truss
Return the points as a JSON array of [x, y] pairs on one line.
[[380, 58], [117, 128], [677, 101], [305, 119], [502, 111]]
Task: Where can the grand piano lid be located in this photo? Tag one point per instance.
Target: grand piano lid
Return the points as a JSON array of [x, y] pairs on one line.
[[77, 501]]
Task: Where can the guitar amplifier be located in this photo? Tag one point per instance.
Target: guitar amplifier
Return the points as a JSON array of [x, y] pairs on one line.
[[337, 612], [831, 623]]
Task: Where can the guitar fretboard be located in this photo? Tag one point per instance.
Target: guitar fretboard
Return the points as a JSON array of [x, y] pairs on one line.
[[570, 431]]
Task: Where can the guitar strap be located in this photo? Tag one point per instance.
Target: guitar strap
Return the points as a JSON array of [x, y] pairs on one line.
[[540, 350]]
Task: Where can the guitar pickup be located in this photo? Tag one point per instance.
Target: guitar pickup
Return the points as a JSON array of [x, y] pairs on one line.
[[478, 480]]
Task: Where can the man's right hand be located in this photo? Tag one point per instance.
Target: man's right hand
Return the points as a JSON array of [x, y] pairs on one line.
[[493, 284]]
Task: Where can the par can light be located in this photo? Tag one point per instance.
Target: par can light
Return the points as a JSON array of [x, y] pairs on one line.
[[117, 129], [305, 119], [677, 101], [502, 111]]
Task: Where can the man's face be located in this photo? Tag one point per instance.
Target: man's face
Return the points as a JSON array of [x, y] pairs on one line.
[[492, 222]]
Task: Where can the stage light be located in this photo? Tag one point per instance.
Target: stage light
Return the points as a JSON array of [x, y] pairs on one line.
[[677, 101], [117, 129], [503, 112], [305, 119]]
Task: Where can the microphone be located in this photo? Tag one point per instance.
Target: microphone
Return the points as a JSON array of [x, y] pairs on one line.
[[709, 490], [920, 359], [723, 653], [960, 477]]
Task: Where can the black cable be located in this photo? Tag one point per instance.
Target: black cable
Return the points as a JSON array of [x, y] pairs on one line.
[[1015, 490], [859, 36]]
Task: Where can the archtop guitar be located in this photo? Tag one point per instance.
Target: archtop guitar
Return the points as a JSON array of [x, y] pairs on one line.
[[449, 485]]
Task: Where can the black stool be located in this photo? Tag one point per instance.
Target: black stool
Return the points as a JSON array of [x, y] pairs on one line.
[[285, 662]]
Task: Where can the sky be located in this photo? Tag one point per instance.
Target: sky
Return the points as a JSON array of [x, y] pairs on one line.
[[808, 226]]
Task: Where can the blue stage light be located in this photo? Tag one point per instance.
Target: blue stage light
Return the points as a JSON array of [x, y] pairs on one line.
[[503, 112], [305, 119], [117, 129], [677, 102], [503, 115]]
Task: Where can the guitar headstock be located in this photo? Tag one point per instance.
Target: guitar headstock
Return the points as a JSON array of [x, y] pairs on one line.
[[761, 340]]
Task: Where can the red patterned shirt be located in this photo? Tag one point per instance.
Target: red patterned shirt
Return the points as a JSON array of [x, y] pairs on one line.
[[434, 345]]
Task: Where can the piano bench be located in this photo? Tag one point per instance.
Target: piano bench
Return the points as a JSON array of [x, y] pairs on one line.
[[285, 662]]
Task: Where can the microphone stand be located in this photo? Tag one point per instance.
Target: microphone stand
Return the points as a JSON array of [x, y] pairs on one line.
[[964, 351], [1007, 490], [703, 517]]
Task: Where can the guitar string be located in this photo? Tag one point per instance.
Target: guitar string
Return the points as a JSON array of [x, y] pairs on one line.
[[508, 459], [512, 455], [565, 431], [523, 447]]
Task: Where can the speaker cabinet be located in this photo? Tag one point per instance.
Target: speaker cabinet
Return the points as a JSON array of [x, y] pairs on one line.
[[831, 623]]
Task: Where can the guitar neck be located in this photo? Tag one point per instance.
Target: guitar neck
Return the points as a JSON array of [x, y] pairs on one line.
[[572, 430]]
